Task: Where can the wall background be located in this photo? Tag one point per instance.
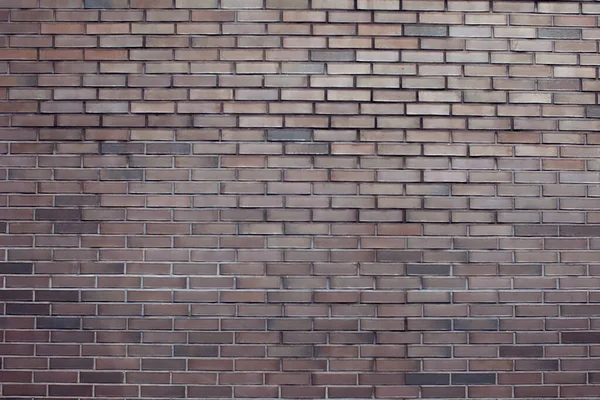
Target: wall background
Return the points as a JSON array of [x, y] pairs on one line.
[[299, 199]]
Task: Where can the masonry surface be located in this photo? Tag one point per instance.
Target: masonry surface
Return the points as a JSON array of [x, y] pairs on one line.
[[299, 199]]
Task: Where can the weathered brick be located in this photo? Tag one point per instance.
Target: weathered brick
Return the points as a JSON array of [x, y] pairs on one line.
[[121, 148], [473, 379], [289, 134], [559, 33], [105, 4], [101, 377], [58, 323], [332, 55], [427, 379], [592, 112], [426, 30]]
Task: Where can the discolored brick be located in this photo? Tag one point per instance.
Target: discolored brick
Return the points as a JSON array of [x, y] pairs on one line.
[[121, 148], [101, 4], [414, 269], [16, 268], [426, 30], [475, 324], [58, 323], [559, 33], [27, 309], [168, 148], [292, 135], [521, 351], [473, 379], [101, 377], [426, 379], [65, 214], [332, 55], [592, 112], [579, 337]]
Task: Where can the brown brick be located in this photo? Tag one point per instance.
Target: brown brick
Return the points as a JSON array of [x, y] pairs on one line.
[[301, 187]]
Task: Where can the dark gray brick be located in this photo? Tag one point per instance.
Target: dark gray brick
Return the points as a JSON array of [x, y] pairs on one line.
[[536, 365], [122, 175], [75, 227], [427, 379], [476, 324], [14, 295], [168, 148], [58, 323], [211, 338], [559, 84], [303, 68], [521, 351], [27, 309], [77, 200], [426, 30], [105, 4], [58, 214], [399, 255], [580, 337], [101, 377], [473, 379], [54, 295], [580, 310], [16, 268], [122, 148], [287, 4], [580, 230], [289, 134], [536, 230], [196, 351], [288, 324], [559, 33], [429, 324], [416, 269], [332, 55], [296, 351], [592, 111]]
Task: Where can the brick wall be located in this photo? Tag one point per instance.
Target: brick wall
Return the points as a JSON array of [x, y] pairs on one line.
[[299, 199]]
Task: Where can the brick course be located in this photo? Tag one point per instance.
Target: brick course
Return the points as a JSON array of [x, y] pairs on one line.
[[299, 199]]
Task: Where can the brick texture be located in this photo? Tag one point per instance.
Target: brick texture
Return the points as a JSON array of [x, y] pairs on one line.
[[341, 199]]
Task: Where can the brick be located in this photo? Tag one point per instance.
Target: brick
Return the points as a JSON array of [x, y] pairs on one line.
[[473, 379], [427, 379], [58, 323], [332, 55], [102, 4], [559, 33], [292, 160], [289, 134], [16, 268], [579, 337], [592, 112], [121, 148], [426, 31]]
